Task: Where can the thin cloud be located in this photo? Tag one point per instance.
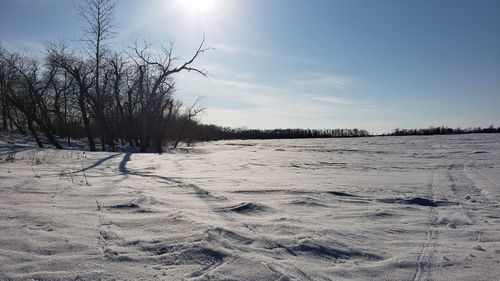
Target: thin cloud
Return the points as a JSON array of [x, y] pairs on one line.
[[259, 53], [337, 81], [228, 91], [332, 99], [242, 85]]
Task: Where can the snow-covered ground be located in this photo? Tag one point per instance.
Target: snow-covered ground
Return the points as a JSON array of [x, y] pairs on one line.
[[391, 208]]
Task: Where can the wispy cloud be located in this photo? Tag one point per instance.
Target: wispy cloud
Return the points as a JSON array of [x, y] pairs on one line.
[[332, 80], [229, 92], [259, 53], [250, 100], [331, 99], [242, 85]]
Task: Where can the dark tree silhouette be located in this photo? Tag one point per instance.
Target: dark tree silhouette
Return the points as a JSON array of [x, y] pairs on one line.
[[99, 26], [442, 131]]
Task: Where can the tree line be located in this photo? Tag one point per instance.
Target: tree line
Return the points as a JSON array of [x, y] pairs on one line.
[[442, 131], [97, 92], [203, 132]]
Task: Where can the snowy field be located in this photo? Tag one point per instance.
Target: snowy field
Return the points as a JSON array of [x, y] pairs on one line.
[[391, 208]]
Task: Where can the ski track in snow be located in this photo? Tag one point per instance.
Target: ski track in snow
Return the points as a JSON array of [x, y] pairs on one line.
[[424, 259], [394, 208]]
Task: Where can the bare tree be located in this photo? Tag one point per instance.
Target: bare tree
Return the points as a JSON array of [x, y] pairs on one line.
[[60, 56], [28, 89], [155, 92], [187, 118], [99, 27]]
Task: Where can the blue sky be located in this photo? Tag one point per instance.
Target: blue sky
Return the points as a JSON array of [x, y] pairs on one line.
[[376, 65]]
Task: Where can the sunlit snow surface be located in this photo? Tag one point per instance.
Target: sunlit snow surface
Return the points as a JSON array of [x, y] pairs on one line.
[[381, 208]]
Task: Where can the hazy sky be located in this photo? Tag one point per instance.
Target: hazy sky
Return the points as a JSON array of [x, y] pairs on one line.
[[376, 65]]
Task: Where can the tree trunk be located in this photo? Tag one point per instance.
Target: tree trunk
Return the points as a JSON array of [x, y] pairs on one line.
[[159, 144], [4, 114], [13, 124], [33, 132], [86, 122], [52, 140], [47, 132]]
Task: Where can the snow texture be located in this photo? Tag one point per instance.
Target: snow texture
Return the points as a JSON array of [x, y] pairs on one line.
[[379, 208]]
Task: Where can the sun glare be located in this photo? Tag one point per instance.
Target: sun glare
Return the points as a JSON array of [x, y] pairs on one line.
[[198, 6]]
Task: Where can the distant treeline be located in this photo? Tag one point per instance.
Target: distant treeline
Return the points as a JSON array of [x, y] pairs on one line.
[[442, 131], [202, 132]]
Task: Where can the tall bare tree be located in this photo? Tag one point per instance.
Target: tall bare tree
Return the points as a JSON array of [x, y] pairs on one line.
[[157, 90], [99, 27]]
